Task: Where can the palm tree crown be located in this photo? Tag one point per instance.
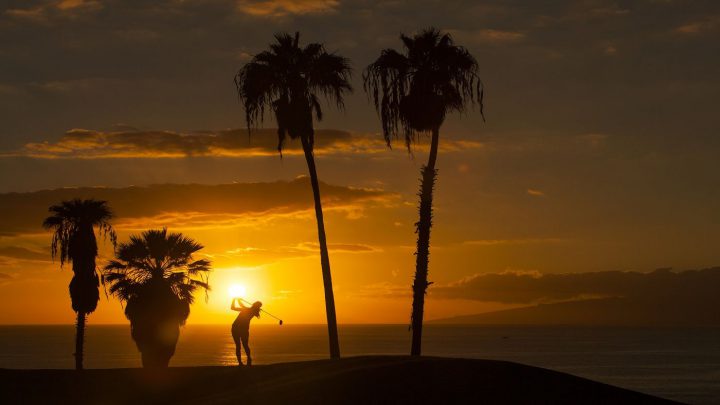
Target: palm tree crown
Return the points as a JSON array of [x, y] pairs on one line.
[[417, 89], [160, 257], [74, 241], [290, 80], [73, 222]]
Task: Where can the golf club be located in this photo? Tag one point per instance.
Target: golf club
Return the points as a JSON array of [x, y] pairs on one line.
[[249, 303]]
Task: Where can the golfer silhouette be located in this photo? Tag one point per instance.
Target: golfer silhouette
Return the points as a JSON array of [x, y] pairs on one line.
[[241, 327]]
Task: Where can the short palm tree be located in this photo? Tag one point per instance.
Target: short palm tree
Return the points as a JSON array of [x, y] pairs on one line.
[[413, 92], [74, 223], [290, 80], [156, 277]]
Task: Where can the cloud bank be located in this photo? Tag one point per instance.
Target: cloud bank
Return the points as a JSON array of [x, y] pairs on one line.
[[189, 205], [533, 288]]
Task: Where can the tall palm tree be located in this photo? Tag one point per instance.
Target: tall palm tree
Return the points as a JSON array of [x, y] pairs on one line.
[[290, 80], [73, 223], [414, 91], [156, 276]]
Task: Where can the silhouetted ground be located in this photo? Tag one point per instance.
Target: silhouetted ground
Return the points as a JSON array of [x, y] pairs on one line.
[[357, 380]]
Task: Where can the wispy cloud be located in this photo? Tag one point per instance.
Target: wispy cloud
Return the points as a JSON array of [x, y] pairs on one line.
[[594, 140], [487, 36], [498, 242], [257, 255], [22, 253], [337, 247], [36, 14], [699, 27], [383, 289], [499, 36]]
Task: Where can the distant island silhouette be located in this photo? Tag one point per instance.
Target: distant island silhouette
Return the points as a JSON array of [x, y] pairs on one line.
[[658, 298]]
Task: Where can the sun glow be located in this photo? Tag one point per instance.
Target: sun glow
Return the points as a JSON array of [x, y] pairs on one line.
[[237, 290]]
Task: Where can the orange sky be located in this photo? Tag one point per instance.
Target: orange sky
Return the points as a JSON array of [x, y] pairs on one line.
[[270, 250], [263, 236]]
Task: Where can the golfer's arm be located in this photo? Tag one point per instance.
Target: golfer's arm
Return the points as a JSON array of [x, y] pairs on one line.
[[237, 308]]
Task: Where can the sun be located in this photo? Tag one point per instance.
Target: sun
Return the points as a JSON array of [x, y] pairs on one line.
[[237, 290]]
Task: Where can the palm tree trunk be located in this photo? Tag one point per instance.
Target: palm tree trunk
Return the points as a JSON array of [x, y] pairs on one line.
[[324, 257], [420, 284], [79, 340]]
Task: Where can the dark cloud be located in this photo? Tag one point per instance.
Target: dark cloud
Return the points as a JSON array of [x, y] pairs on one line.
[[530, 288], [87, 144], [188, 205], [169, 64]]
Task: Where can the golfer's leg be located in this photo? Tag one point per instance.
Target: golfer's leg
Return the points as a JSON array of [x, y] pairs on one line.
[[236, 338], [246, 345]]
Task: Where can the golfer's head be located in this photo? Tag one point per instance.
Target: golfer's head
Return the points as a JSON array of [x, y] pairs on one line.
[[256, 308]]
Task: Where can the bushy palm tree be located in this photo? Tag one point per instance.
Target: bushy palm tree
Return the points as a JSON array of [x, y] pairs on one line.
[[156, 277], [74, 223], [413, 92], [289, 81]]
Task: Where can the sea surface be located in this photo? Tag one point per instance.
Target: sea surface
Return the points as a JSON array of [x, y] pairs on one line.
[[676, 363]]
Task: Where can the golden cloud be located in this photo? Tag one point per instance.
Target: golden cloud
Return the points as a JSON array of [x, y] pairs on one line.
[[42, 13], [89, 144], [280, 8]]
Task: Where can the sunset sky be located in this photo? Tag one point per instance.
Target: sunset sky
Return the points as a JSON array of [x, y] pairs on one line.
[[600, 151]]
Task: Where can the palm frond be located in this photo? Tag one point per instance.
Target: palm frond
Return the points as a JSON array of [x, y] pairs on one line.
[[70, 221], [160, 258], [414, 91], [289, 81]]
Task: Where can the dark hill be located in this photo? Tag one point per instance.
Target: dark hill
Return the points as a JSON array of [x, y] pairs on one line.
[[358, 380]]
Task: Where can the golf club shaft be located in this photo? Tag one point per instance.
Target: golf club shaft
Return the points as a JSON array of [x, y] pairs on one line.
[[247, 302]]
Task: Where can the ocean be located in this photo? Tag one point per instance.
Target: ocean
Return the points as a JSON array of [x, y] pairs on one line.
[[675, 363]]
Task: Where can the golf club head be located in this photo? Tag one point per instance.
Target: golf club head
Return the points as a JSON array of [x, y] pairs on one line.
[[281, 322]]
